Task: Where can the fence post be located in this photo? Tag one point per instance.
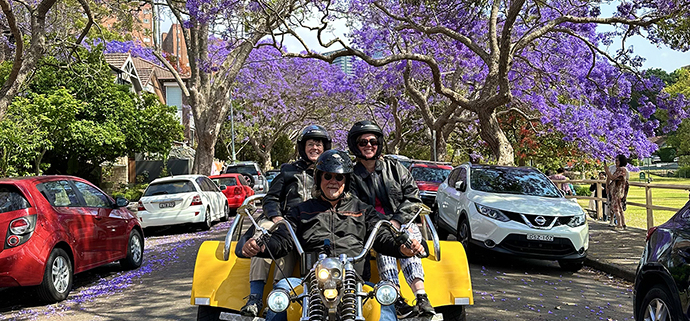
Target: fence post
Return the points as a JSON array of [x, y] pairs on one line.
[[650, 212], [600, 207]]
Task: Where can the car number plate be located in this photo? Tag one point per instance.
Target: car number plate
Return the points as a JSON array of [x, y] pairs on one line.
[[540, 237], [166, 204]]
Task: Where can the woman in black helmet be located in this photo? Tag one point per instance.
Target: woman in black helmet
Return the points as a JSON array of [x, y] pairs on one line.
[[335, 215], [390, 188], [293, 185]]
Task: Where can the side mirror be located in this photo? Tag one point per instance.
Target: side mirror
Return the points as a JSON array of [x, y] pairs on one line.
[[223, 187], [121, 202], [460, 186]]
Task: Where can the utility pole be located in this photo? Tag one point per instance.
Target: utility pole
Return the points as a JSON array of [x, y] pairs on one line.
[[232, 128]]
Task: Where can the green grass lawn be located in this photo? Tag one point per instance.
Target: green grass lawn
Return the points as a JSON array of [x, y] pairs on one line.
[[637, 216]]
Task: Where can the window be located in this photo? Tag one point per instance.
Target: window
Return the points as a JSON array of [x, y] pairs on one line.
[[462, 175], [59, 193], [212, 186], [146, 20], [242, 169], [430, 174], [453, 177], [206, 184], [11, 199], [227, 181], [92, 196], [512, 181], [170, 187]]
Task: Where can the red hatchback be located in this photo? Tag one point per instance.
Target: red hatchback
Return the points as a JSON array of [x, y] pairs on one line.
[[428, 177], [237, 188], [53, 227]]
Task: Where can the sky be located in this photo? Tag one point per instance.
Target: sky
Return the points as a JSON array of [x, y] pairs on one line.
[[655, 56]]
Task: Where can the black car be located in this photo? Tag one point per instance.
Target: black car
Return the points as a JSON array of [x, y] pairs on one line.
[[662, 283]]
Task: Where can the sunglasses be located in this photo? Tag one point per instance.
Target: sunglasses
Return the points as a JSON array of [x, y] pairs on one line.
[[364, 142], [338, 177]]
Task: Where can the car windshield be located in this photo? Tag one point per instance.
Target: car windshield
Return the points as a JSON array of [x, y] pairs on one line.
[[512, 181], [430, 174], [11, 199], [242, 169], [169, 187], [227, 181]]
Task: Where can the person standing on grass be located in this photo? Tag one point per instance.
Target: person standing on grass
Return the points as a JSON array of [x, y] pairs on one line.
[[617, 188]]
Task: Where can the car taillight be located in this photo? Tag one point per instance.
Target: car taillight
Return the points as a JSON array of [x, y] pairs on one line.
[[20, 230], [238, 190], [20, 225], [141, 207], [196, 200], [650, 232]]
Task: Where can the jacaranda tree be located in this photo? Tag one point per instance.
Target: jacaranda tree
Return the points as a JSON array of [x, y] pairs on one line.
[[533, 58]]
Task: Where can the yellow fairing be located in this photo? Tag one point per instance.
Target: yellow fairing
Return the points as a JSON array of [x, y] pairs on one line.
[[226, 283]]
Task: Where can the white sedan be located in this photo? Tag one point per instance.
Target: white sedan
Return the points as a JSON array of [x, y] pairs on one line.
[[182, 199], [512, 210]]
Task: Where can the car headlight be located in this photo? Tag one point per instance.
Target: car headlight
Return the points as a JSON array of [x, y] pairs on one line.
[[278, 301], [577, 220], [386, 293], [491, 213]]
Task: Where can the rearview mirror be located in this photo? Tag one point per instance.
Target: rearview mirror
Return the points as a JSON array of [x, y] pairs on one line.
[[121, 202], [223, 187], [460, 186]]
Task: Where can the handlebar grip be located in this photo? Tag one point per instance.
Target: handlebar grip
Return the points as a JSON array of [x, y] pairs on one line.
[[405, 239]]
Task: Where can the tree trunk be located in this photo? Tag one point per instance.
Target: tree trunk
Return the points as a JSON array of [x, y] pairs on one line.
[[441, 149], [492, 134], [206, 148]]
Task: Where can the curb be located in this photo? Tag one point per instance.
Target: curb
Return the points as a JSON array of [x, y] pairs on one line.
[[610, 269]]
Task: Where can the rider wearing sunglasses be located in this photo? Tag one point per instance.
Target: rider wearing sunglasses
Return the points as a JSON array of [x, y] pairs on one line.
[[334, 214], [389, 187], [293, 185]]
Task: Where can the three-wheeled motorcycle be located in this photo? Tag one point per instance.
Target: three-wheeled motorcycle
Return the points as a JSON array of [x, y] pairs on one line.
[[330, 289]]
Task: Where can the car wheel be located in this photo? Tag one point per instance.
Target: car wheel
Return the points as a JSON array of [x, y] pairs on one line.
[[226, 213], [657, 305], [57, 277], [206, 224], [452, 312], [135, 251], [442, 233], [464, 234], [207, 313], [571, 265]]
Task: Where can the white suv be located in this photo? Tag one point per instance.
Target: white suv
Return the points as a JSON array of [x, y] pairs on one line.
[[512, 210]]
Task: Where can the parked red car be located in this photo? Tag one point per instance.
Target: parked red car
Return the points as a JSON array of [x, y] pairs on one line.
[[237, 188], [428, 177], [53, 227]]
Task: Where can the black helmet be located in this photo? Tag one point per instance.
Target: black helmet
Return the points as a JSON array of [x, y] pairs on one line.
[[333, 161], [312, 132], [363, 127]]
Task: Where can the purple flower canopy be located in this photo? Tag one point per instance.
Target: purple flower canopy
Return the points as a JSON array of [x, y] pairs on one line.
[[560, 76]]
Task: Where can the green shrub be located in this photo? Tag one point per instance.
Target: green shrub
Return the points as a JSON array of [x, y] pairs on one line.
[[132, 192], [582, 190], [683, 172]]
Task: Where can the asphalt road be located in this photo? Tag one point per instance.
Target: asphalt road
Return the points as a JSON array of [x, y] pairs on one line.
[[505, 288]]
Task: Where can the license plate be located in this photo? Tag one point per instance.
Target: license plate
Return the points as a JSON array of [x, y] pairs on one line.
[[540, 237], [166, 204]]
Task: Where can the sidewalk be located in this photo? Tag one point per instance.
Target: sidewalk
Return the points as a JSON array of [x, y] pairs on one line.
[[616, 252]]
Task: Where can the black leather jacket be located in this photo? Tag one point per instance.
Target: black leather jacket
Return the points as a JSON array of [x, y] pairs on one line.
[[347, 226], [292, 186], [399, 193]]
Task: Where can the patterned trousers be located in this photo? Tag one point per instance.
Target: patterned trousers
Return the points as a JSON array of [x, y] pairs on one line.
[[411, 267]]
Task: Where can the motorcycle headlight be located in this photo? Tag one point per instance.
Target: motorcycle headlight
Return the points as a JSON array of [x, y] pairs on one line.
[[330, 293], [386, 293], [278, 301], [323, 274], [577, 220], [491, 213]]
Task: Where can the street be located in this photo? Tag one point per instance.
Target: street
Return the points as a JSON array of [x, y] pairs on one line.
[[505, 288]]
